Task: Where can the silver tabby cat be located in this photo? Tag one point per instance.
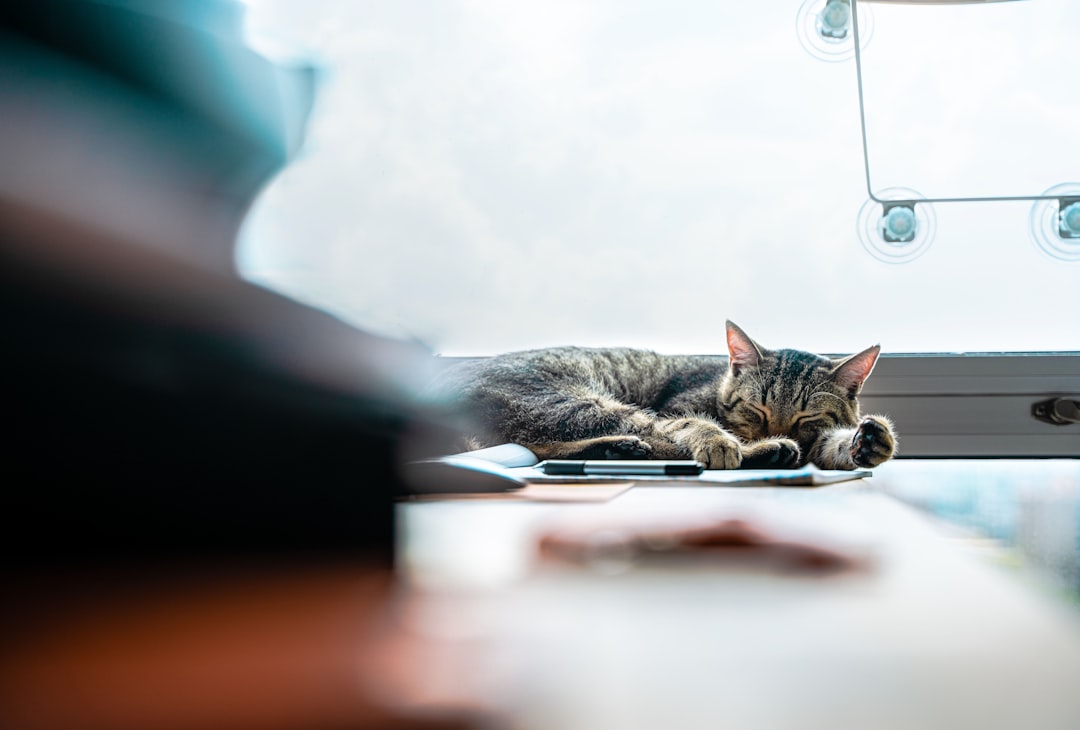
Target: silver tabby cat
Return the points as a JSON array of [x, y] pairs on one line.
[[764, 408]]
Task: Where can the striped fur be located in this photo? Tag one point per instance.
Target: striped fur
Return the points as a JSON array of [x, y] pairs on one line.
[[760, 408]]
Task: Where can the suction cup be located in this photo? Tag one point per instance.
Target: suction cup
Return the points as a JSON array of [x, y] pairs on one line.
[[899, 230], [1055, 224], [826, 29]]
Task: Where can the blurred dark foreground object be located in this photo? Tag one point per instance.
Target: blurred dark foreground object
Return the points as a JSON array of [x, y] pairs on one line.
[[157, 411], [157, 406]]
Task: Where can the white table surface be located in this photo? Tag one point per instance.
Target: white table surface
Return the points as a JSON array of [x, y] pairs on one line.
[[933, 636]]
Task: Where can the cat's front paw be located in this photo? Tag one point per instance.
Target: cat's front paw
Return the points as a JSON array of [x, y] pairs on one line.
[[873, 442], [771, 454], [718, 451]]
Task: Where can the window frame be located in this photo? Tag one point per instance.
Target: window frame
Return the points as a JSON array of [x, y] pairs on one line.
[[959, 405]]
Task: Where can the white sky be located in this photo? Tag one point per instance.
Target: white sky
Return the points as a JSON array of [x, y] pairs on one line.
[[487, 175]]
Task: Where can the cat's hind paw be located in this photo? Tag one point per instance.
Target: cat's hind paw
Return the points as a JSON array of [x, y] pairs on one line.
[[601, 447], [771, 454], [605, 447], [873, 442], [626, 447]]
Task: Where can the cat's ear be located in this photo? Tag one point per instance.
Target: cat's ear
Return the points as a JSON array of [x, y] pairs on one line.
[[744, 352], [851, 372]]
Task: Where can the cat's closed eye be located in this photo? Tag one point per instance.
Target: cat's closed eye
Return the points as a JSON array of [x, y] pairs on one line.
[[759, 417], [808, 422], [749, 421]]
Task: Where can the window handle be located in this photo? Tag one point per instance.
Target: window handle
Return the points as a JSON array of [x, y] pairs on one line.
[[1058, 411]]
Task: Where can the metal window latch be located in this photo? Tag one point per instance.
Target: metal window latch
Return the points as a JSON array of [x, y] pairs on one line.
[[1058, 411]]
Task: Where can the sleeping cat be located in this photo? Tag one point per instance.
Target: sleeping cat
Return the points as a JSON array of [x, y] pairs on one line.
[[768, 408]]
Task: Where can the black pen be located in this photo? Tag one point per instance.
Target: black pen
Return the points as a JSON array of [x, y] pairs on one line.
[[563, 467]]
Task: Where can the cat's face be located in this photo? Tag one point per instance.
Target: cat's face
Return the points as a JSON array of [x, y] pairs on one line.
[[789, 392]]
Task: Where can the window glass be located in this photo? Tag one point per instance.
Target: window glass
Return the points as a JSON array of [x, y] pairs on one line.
[[968, 101], [484, 175]]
